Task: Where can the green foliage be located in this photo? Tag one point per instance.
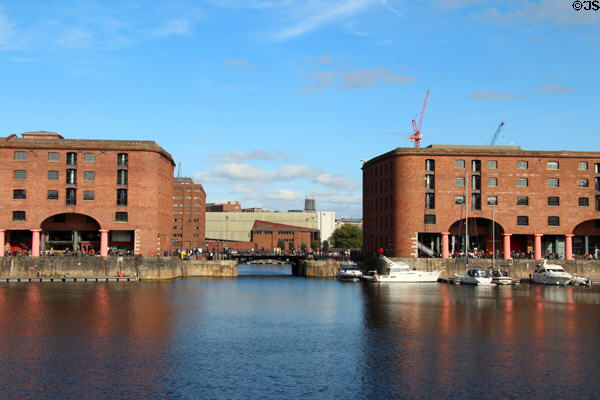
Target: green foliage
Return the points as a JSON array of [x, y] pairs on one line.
[[303, 246], [291, 245], [314, 245], [325, 245], [281, 244], [347, 237]]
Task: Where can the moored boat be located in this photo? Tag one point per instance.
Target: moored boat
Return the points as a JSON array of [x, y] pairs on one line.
[[474, 276], [501, 277], [551, 274], [400, 272], [349, 272]]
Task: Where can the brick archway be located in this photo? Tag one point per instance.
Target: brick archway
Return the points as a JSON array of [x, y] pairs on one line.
[[66, 232]]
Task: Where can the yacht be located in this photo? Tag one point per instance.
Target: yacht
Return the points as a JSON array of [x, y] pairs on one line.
[[501, 277], [349, 272], [398, 272], [474, 276], [550, 274]]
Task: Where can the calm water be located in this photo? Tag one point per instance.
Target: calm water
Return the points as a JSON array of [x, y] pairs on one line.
[[268, 335]]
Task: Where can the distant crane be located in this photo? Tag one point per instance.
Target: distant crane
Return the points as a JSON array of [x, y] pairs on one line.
[[496, 134], [416, 136]]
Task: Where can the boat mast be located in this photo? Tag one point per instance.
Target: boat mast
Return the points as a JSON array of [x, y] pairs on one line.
[[467, 218], [493, 238]]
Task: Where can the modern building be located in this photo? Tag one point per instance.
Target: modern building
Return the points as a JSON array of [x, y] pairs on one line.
[[189, 215], [230, 206], [84, 195], [326, 223], [525, 203], [266, 235]]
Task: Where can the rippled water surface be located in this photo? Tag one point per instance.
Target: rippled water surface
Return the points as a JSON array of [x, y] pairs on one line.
[[267, 334]]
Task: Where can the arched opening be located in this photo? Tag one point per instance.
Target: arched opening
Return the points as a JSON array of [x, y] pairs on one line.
[[485, 236], [70, 232], [587, 238]]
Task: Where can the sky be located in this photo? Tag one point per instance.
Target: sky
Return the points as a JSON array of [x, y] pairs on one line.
[[267, 102]]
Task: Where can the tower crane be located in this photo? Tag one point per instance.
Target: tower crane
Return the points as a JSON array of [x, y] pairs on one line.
[[416, 136], [496, 134]]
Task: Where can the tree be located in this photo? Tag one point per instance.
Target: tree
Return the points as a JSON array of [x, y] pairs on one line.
[[325, 245], [314, 245], [303, 246], [347, 237], [291, 245], [281, 244]]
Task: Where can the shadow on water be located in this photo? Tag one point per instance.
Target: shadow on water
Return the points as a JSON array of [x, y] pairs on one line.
[[271, 270]]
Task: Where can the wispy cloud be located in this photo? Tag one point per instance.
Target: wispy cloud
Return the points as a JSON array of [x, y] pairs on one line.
[[494, 96], [324, 59], [284, 194], [257, 154], [173, 27], [554, 89], [354, 79], [237, 62]]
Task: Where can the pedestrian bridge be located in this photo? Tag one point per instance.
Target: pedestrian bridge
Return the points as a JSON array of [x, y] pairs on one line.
[[294, 261]]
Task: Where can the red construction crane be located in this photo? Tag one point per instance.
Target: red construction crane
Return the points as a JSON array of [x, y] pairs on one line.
[[416, 136]]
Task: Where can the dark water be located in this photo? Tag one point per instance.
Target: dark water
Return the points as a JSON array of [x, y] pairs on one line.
[[267, 335]]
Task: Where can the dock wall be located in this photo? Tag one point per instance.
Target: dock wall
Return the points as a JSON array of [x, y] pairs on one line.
[[316, 269]]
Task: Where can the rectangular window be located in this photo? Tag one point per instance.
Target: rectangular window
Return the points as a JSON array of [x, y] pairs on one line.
[[522, 201], [122, 177], [476, 201], [89, 157], [71, 158], [553, 201], [553, 221], [522, 165], [476, 182], [584, 202], [430, 201], [583, 183], [582, 166], [552, 165], [18, 215], [19, 174], [52, 195], [553, 182], [71, 197], [492, 182], [88, 195], [89, 175], [52, 175], [459, 199], [20, 156], [597, 203], [597, 168], [429, 219], [430, 182], [19, 194], [430, 165], [522, 182], [492, 164], [53, 156], [476, 166], [522, 220], [122, 159], [459, 164], [71, 176], [121, 197], [492, 200], [120, 216], [597, 184], [459, 181]]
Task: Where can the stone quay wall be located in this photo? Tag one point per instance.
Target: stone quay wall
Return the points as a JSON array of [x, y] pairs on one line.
[[317, 269], [145, 268]]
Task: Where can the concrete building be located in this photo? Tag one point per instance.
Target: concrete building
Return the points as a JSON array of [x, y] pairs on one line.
[[189, 215], [524, 202], [350, 221], [84, 195], [326, 223]]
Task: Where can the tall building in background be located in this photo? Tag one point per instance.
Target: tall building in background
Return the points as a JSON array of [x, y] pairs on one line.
[[189, 215], [309, 205]]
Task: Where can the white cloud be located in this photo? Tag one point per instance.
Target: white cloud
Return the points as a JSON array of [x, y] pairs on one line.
[[7, 31], [173, 27], [354, 79], [284, 194], [237, 62], [492, 95], [257, 154], [554, 89]]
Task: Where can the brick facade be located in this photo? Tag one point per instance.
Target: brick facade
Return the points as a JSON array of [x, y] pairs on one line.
[[230, 206], [266, 235], [189, 215]]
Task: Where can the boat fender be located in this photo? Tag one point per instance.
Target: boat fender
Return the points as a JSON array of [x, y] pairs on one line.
[[479, 253]]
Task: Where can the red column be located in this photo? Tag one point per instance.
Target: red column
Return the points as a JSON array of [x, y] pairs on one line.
[[569, 246], [538, 246], [103, 242], [445, 245], [35, 242], [2, 231], [507, 246]]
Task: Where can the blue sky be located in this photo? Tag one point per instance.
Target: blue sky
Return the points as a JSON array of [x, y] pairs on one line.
[[266, 101]]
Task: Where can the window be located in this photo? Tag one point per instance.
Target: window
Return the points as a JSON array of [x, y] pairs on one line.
[[476, 201], [597, 184], [120, 216], [582, 166], [553, 221], [430, 182], [430, 201], [121, 197], [20, 156], [122, 177], [583, 183], [459, 199], [476, 166], [71, 176], [89, 175], [522, 182], [584, 202], [19, 194], [522, 201], [553, 182], [122, 159], [522, 220], [553, 201], [18, 215], [459, 164], [88, 195], [492, 182], [52, 175], [522, 165], [492, 200], [492, 164], [71, 198], [597, 203], [53, 156], [71, 158], [476, 182], [597, 168], [459, 181], [89, 157], [19, 174], [52, 195], [552, 165], [429, 165], [429, 219]]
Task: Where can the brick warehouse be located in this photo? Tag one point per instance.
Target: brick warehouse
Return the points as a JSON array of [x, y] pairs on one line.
[[88, 195], [539, 202], [189, 215]]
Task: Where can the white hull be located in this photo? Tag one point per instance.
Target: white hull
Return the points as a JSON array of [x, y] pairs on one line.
[[474, 276], [349, 273], [411, 276], [546, 279], [502, 280]]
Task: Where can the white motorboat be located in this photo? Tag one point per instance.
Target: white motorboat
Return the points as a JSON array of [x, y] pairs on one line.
[[349, 272], [400, 272], [501, 277], [581, 281], [551, 274], [474, 276], [370, 276]]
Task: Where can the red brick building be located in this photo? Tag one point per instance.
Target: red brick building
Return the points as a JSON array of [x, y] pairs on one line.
[[230, 206], [189, 216], [531, 202], [85, 195], [265, 235]]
